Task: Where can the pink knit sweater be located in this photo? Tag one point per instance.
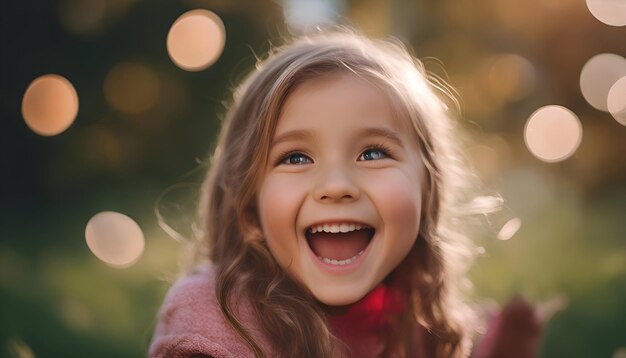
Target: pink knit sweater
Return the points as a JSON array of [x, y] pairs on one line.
[[191, 324]]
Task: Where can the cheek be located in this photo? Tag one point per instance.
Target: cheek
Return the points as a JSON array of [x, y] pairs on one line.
[[398, 197], [278, 200]]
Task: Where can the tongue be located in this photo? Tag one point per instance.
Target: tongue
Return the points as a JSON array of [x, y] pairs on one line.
[[339, 246]]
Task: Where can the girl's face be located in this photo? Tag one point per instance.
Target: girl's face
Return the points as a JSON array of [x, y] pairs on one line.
[[340, 198]]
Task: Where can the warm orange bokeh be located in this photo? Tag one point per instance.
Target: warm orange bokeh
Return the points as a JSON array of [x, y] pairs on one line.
[[50, 105], [131, 88], [196, 40]]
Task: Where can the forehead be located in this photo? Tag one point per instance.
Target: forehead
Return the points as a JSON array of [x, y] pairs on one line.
[[339, 99]]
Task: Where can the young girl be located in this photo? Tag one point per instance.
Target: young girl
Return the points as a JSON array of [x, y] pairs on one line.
[[329, 215]]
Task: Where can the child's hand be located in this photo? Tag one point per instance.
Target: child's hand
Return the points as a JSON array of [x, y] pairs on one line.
[[515, 332]]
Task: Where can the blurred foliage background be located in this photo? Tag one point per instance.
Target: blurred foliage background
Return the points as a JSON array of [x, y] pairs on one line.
[[505, 58]]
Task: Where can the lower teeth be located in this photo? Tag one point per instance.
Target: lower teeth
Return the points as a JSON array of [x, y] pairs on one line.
[[341, 262]]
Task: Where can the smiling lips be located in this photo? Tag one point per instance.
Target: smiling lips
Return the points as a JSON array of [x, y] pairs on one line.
[[339, 244]]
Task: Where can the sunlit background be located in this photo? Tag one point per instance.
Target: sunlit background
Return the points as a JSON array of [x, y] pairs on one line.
[[109, 108]]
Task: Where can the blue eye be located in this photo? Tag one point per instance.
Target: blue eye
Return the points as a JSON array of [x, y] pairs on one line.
[[296, 159], [373, 154]]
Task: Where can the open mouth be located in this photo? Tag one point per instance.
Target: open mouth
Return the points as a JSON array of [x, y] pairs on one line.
[[339, 244]]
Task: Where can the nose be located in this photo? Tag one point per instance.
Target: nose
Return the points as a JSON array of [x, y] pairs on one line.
[[334, 185]]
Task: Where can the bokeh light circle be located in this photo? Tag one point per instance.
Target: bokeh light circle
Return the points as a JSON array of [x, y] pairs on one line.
[[83, 18], [616, 101], [553, 133], [196, 40], [50, 105], [620, 353], [115, 238], [304, 15], [509, 229], [510, 77], [131, 88], [598, 75], [610, 12]]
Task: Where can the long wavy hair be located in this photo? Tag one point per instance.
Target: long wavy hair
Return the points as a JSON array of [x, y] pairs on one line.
[[231, 237]]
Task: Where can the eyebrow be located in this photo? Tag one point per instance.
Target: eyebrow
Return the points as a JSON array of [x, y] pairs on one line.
[[302, 134], [297, 134], [381, 132]]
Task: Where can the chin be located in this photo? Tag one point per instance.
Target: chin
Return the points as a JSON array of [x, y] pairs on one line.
[[339, 297]]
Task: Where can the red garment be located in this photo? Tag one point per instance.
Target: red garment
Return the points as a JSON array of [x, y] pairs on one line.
[[363, 326]]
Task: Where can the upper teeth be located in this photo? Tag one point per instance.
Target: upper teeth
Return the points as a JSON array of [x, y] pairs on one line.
[[334, 228]]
